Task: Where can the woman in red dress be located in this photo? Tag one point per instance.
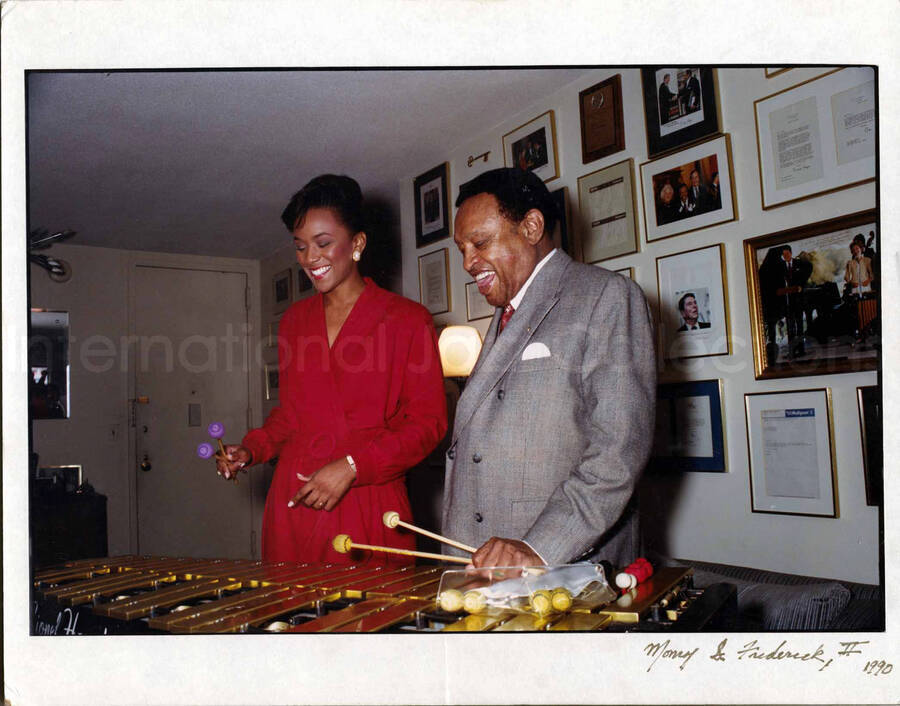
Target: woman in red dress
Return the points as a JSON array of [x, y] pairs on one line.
[[362, 396]]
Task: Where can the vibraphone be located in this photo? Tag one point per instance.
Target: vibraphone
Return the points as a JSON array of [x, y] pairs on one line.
[[133, 594]]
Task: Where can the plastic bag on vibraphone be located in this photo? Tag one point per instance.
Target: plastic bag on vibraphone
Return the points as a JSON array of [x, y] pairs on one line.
[[539, 590]]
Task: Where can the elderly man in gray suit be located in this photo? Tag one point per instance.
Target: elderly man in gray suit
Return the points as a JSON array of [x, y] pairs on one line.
[[556, 421]]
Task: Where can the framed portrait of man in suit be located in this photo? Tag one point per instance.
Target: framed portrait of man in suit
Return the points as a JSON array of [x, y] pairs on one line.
[[693, 304], [680, 106]]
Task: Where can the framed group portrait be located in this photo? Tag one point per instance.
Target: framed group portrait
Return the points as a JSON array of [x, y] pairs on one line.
[[688, 190], [602, 119], [817, 136], [814, 292], [689, 434], [790, 440], [680, 106], [432, 200], [693, 304], [606, 212], [532, 147]]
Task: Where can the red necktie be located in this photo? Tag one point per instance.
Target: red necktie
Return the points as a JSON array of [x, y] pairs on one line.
[[508, 311]]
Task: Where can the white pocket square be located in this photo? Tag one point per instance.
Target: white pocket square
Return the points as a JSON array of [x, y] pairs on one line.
[[535, 350]]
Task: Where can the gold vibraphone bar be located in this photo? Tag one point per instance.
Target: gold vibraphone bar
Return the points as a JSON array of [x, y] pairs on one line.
[[133, 594]]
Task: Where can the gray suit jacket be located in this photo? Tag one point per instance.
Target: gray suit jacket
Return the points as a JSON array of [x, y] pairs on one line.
[[548, 449]]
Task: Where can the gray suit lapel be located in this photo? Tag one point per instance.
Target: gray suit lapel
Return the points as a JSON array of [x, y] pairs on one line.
[[499, 352]]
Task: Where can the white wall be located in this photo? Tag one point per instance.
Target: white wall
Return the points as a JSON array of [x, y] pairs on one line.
[[97, 299], [702, 516]]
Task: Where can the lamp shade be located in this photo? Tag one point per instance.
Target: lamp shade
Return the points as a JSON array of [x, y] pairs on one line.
[[459, 347]]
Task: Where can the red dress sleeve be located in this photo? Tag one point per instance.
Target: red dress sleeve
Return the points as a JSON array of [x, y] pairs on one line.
[[265, 442], [420, 421]]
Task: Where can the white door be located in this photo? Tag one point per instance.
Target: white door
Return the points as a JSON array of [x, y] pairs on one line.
[[190, 362]]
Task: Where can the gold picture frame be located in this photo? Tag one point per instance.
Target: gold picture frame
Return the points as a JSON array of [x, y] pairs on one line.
[[804, 149], [666, 214], [786, 479], [809, 332], [607, 223], [532, 146]]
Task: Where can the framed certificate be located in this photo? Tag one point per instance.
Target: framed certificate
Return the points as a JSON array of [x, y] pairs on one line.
[[602, 119], [606, 212], [689, 433], [434, 281], [791, 445], [532, 146], [477, 306], [816, 137], [693, 304]]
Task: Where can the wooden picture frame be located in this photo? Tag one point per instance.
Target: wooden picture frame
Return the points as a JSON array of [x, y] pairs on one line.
[[817, 137], [434, 281], [477, 306], [690, 430], [606, 212], [700, 328], [602, 119], [626, 272], [282, 290], [812, 321], [790, 442], [532, 146], [693, 111], [872, 435], [667, 189], [772, 71], [432, 205]]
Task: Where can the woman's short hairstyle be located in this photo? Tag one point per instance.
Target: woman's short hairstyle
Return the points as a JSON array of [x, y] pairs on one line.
[[517, 192], [338, 192]]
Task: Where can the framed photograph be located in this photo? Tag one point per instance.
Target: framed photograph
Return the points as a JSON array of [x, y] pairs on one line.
[[69, 477], [626, 272], [562, 236], [679, 105], [281, 291], [271, 373], [689, 432], [607, 222], [434, 281], [432, 198], [870, 427], [305, 286], [477, 306], [776, 70], [688, 190], [815, 304], [791, 446], [693, 305], [532, 146], [816, 137], [602, 119]]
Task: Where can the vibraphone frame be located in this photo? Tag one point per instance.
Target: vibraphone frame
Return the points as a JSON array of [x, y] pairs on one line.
[[133, 594]]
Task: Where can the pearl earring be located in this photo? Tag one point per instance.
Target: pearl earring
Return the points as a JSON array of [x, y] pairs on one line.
[[356, 255]]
